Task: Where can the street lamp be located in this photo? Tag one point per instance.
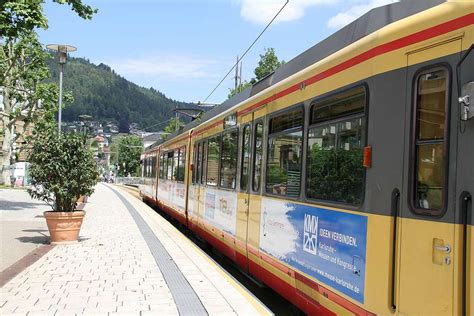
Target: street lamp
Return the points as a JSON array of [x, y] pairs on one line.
[[61, 51]]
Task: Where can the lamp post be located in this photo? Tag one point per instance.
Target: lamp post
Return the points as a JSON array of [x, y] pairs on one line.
[[61, 51]]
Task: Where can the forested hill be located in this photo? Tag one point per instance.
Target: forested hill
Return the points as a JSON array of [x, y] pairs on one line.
[[100, 92]]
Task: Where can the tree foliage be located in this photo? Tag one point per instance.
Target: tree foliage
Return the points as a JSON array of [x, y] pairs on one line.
[[23, 68], [19, 17], [98, 91], [62, 168], [335, 174], [129, 151], [267, 64], [173, 126]]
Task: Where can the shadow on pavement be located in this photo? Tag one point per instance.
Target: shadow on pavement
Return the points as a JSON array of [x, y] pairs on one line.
[[34, 239], [19, 206], [34, 230]]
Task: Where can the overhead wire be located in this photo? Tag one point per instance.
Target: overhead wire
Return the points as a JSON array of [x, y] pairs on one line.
[[243, 55]]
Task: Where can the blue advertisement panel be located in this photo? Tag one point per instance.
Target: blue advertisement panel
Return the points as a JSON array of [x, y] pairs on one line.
[[325, 244]]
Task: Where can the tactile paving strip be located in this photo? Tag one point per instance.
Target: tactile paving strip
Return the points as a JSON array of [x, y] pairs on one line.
[[185, 297]]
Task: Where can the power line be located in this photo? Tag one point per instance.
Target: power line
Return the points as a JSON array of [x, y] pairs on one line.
[[243, 55], [148, 127]]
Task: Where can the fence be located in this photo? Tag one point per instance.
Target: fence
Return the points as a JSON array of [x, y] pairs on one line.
[[129, 180]]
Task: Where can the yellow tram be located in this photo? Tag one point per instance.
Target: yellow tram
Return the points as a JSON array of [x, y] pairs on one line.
[[344, 179]]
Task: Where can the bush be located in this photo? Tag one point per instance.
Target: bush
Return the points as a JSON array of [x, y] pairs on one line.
[[62, 169]]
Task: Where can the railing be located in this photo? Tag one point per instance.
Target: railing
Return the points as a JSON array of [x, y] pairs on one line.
[[129, 180]]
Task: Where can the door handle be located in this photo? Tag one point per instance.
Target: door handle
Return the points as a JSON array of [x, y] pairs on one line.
[[445, 248]]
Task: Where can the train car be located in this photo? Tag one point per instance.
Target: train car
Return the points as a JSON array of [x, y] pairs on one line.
[[344, 179]]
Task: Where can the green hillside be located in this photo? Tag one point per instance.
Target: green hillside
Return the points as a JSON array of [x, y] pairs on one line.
[[100, 92]]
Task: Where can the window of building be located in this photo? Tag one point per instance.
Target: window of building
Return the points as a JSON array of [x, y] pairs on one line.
[[213, 154], [228, 175], [245, 161], [430, 146], [257, 158], [336, 139], [285, 141]]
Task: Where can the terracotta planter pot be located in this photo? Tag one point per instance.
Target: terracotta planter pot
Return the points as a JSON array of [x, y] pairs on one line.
[[64, 227]]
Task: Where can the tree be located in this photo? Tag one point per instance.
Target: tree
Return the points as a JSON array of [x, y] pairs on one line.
[[241, 87], [173, 126], [267, 64], [23, 68], [129, 151], [62, 168]]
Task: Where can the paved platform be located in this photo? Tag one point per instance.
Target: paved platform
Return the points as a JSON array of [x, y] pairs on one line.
[[22, 225], [129, 261]]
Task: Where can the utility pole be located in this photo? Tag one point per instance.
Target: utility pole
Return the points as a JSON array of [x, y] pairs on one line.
[[237, 78]]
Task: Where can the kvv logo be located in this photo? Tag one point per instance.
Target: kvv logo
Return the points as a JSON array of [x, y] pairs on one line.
[[310, 237]]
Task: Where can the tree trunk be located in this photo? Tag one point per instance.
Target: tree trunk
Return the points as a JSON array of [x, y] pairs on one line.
[[7, 139], [7, 152]]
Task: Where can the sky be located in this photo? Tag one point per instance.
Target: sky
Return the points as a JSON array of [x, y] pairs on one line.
[[183, 48]]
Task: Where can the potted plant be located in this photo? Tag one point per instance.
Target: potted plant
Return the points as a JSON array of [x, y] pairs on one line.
[[62, 169]]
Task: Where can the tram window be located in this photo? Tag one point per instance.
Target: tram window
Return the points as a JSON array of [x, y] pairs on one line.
[[257, 158], [144, 167], [181, 164], [170, 166], [245, 162], [194, 163], [335, 169], [198, 163], [228, 175], [213, 153], [153, 167], [430, 170], [284, 163], [283, 175], [162, 166], [204, 162], [175, 164]]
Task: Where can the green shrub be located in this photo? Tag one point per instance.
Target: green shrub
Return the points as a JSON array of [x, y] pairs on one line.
[[62, 169]]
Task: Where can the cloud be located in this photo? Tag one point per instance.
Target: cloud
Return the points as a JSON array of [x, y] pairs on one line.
[[262, 11], [343, 18], [169, 66]]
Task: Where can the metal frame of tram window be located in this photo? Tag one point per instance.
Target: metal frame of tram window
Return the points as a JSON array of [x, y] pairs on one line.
[[266, 133], [308, 106], [431, 213]]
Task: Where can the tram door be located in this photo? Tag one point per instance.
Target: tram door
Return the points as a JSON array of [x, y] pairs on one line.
[[427, 230], [246, 127]]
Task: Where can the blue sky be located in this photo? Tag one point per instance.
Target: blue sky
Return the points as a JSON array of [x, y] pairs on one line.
[[183, 48]]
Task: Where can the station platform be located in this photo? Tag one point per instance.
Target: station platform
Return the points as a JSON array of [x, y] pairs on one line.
[[131, 261]]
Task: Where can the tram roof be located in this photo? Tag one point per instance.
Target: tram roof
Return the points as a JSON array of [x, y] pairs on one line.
[[369, 23]]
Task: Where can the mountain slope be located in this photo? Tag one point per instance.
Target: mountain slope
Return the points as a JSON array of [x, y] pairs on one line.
[[98, 91]]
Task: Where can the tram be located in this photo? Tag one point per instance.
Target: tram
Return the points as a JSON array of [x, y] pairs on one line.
[[344, 179]]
